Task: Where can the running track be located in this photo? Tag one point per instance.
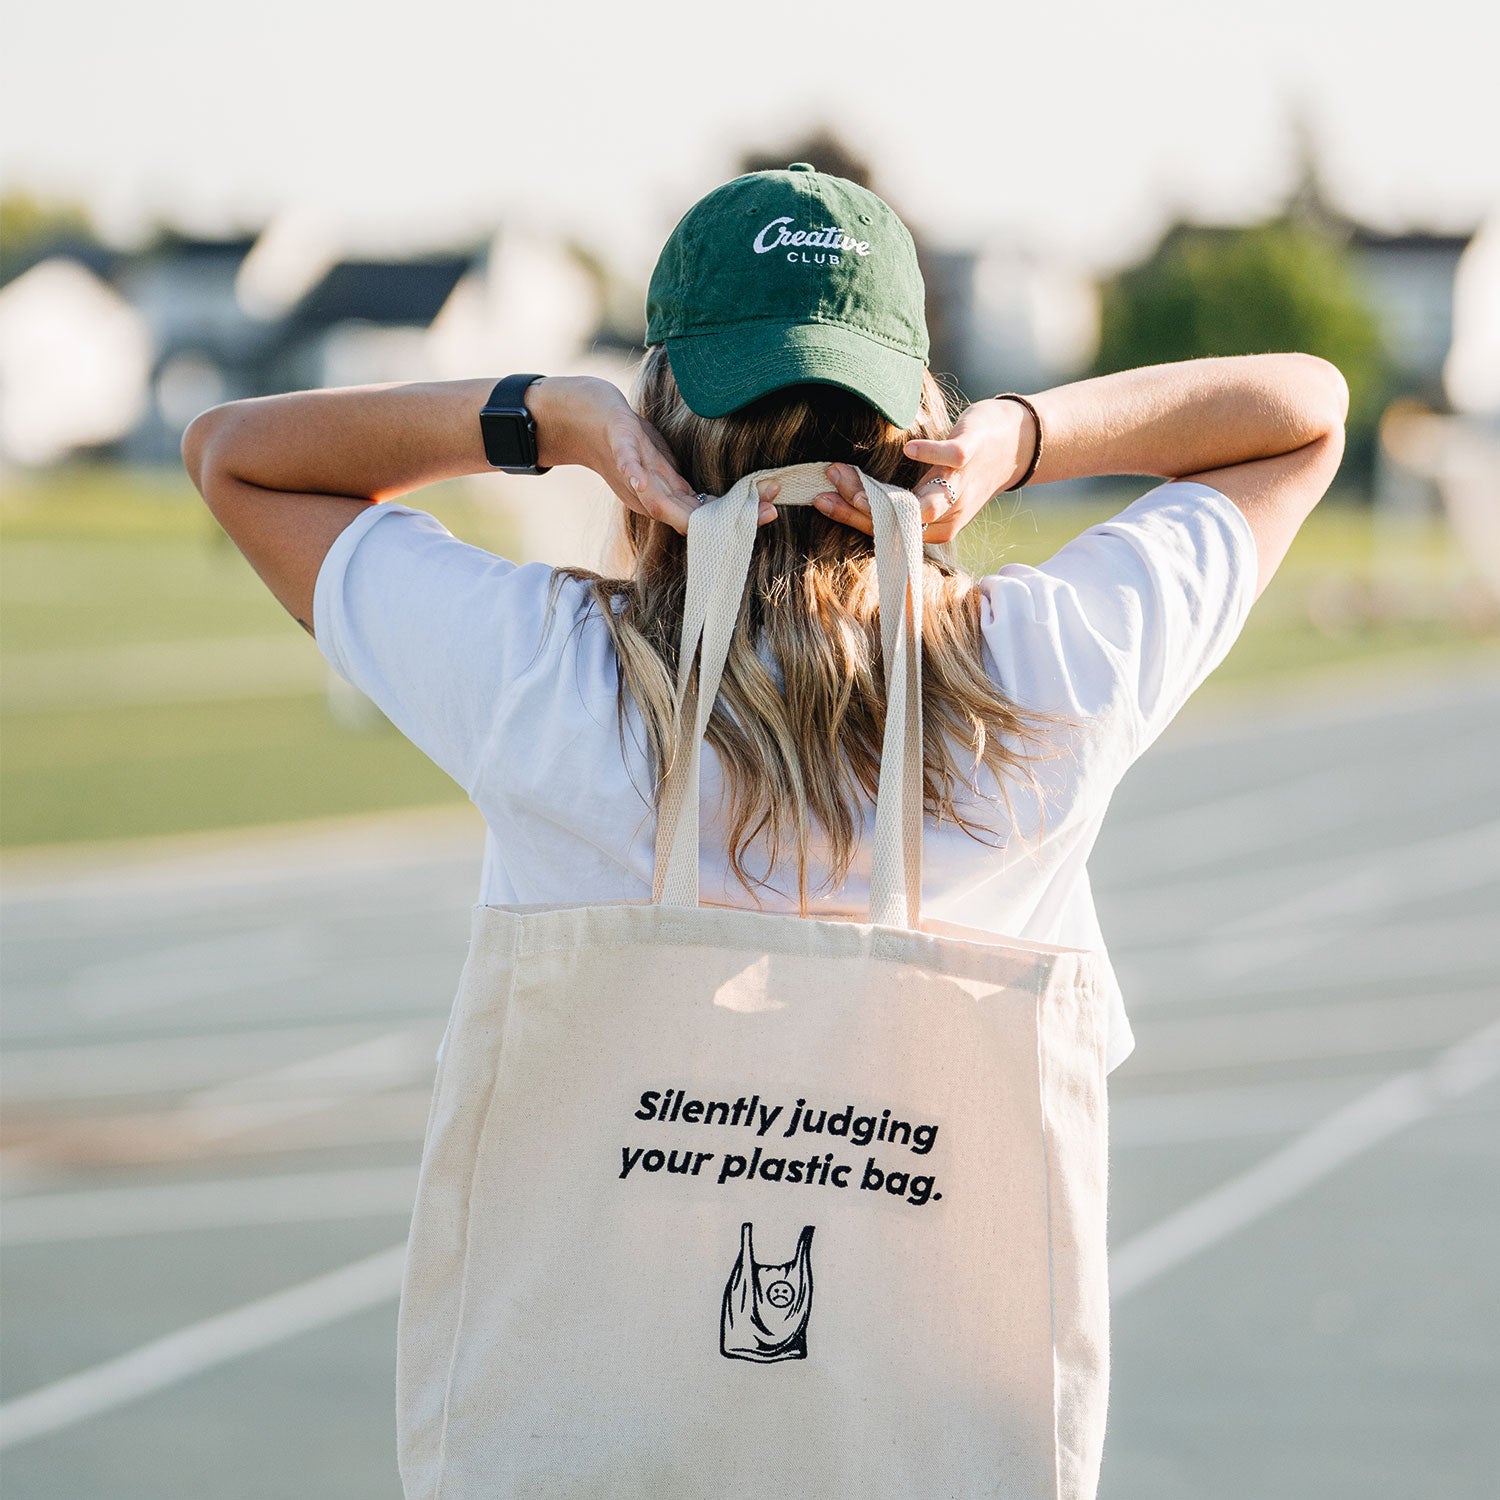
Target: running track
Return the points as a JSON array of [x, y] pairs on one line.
[[218, 1055]]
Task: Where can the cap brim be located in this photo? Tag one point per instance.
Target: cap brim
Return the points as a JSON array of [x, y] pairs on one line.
[[722, 371]]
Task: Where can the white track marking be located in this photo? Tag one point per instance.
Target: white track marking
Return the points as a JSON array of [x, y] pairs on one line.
[[1355, 1128], [202, 969], [176, 1207], [1348, 693], [1173, 1116], [1223, 828], [1349, 957], [1264, 816], [308, 1086], [1349, 885], [1432, 867], [312, 1095], [203, 1346], [220, 868], [1310, 1032], [1387, 950], [395, 1117], [166, 1065]]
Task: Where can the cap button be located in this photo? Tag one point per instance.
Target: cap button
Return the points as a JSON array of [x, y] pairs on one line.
[[802, 166]]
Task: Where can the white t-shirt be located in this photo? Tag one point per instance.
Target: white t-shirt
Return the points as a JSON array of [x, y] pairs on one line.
[[454, 645]]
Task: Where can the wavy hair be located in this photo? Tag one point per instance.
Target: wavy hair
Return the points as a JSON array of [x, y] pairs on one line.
[[809, 750]]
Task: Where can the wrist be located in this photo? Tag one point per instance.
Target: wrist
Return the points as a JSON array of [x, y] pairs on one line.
[[1023, 420], [567, 413], [549, 411]]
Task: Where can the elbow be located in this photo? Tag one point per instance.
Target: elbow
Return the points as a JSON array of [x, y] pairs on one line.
[[1326, 397], [195, 445], [204, 446]]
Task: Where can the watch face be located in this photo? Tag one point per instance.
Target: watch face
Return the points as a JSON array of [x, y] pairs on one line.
[[508, 439]]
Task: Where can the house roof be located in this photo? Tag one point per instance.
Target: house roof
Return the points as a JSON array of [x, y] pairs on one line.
[[173, 244], [99, 258], [1363, 238], [393, 293]]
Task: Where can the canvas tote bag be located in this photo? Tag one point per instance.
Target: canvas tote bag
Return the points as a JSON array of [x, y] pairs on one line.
[[716, 1202]]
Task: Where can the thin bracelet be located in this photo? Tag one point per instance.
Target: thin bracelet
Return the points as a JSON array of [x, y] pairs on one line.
[[1036, 456]]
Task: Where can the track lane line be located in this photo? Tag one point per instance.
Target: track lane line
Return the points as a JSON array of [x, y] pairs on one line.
[[217, 1203], [202, 1346], [1360, 1125]]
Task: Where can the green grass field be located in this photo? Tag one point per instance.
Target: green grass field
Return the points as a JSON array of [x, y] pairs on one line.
[[150, 684]]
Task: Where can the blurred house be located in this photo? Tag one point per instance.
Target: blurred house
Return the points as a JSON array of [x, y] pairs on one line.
[[1472, 374], [1409, 276], [529, 302], [1011, 320], [121, 348], [363, 321], [1409, 279], [115, 351], [75, 358], [204, 345]]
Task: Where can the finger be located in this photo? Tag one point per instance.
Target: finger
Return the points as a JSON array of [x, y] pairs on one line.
[[837, 508], [655, 489], [849, 487], [947, 453], [662, 468], [938, 500], [650, 500], [767, 492]]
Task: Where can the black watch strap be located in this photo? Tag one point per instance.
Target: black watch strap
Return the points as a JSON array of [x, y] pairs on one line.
[[508, 427]]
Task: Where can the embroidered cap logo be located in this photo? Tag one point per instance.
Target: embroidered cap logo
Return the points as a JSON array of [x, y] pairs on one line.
[[831, 239]]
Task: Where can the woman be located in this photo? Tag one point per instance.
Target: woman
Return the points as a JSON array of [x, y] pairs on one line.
[[785, 327]]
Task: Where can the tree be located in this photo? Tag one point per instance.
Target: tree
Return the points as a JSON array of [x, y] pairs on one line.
[[26, 219], [32, 227], [1268, 288]]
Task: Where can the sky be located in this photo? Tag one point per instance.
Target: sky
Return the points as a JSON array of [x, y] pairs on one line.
[[1073, 128]]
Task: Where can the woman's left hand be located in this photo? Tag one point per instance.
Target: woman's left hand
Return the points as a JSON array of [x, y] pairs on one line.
[[978, 459], [584, 420]]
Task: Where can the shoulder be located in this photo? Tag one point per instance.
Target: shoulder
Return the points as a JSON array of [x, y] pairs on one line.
[[402, 564], [1182, 526], [1132, 613]]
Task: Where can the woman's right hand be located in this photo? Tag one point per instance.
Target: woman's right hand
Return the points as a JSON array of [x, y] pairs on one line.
[[581, 419], [987, 450]]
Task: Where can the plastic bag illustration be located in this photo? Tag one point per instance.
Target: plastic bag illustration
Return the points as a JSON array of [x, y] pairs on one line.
[[766, 1306]]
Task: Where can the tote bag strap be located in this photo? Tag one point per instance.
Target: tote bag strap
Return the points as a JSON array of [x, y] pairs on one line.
[[720, 539]]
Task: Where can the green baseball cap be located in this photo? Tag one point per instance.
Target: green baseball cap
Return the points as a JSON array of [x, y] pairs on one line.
[[777, 278]]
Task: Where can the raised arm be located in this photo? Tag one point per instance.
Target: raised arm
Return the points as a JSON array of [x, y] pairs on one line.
[[284, 475], [1184, 419], [1265, 429]]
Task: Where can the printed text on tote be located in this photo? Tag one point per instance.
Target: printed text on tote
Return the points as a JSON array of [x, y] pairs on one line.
[[765, 1126]]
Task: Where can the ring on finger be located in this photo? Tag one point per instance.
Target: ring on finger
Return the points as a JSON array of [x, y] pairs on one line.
[[952, 493]]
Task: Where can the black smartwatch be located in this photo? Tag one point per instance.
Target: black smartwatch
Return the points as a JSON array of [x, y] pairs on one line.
[[509, 429]]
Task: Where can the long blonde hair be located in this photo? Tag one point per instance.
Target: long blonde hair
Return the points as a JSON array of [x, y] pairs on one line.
[[811, 750]]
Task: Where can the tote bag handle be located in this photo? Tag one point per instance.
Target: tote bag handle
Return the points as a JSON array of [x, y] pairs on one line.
[[720, 538]]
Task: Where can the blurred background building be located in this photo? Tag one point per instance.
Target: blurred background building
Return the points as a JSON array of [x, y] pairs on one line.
[[107, 352]]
